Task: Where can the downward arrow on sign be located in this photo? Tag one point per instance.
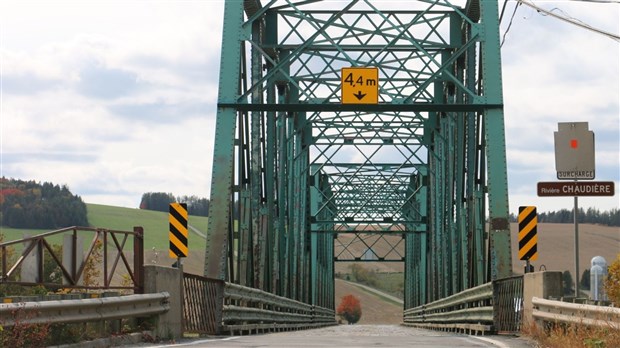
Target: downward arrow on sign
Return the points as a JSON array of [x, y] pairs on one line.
[[359, 95]]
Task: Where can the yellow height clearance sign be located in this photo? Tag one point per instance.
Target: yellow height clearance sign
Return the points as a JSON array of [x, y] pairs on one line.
[[178, 230], [359, 85], [528, 239]]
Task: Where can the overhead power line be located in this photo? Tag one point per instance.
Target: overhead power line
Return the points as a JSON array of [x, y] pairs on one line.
[[600, 1], [510, 23], [501, 16], [573, 20]]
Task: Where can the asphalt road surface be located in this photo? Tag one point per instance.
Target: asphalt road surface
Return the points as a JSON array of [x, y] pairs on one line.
[[356, 336]]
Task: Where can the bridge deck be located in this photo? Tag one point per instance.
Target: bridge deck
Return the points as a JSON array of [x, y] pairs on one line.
[[363, 336]]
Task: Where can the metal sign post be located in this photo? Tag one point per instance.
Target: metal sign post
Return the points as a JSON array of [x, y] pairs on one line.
[[575, 212]]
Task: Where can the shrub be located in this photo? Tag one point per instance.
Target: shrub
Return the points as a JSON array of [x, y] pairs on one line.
[[612, 281], [363, 275], [350, 309], [23, 334], [567, 283], [585, 279], [92, 267]]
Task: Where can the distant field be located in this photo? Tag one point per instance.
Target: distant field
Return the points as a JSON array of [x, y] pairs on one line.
[[555, 249], [390, 283], [555, 241], [155, 224]]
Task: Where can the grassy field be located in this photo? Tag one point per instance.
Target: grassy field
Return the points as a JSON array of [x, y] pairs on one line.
[[155, 226], [392, 283], [555, 241]]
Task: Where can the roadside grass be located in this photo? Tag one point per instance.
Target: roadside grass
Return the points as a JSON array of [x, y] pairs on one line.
[[572, 335]]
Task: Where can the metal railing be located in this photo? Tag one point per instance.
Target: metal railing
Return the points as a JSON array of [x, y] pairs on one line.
[[86, 310], [575, 313], [212, 306], [494, 306], [248, 309], [471, 309], [508, 304], [113, 245], [202, 304]]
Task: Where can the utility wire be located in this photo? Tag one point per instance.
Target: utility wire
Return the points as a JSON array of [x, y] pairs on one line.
[[571, 20], [501, 16], [600, 1], [510, 23]]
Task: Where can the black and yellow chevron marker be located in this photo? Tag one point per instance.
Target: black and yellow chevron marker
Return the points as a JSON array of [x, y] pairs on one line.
[[178, 230], [528, 239]]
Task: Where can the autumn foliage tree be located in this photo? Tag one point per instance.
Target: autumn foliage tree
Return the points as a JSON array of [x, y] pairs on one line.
[[350, 309], [612, 282], [34, 205]]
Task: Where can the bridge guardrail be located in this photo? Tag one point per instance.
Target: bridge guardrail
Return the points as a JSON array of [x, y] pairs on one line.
[[213, 306], [471, 309], [203, 299], [494, 306], [247, 309], [86, 310], [508, 304], [575, 313]]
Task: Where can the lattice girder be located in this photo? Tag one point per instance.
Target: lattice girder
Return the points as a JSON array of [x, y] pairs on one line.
[[296, 172]]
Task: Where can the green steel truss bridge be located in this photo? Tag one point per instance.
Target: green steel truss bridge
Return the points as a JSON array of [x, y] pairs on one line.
[[302, 180]]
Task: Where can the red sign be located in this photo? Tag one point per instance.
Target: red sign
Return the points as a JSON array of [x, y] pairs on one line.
[[572, 189]]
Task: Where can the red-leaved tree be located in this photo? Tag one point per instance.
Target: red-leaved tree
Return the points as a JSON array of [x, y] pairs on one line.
[[350, 309]]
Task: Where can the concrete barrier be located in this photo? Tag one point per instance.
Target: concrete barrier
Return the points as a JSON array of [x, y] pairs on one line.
[[157, 279], [542, 285]]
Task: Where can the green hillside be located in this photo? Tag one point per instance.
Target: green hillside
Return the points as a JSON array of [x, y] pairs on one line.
[[155, 226]]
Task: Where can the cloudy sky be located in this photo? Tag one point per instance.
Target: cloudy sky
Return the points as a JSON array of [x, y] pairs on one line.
[[117, 98]]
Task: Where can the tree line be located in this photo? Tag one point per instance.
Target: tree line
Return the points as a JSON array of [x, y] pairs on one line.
[[160, 201], [589, 216], [30, 204]]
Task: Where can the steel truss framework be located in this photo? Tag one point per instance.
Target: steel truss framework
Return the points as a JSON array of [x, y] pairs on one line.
[[299, 178]]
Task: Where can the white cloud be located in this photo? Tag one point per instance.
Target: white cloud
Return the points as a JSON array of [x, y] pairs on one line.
[[556, 72], [116, 99], [112, 99]]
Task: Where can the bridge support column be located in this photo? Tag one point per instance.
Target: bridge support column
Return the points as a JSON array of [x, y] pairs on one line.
[[223, 155], [500, 259]]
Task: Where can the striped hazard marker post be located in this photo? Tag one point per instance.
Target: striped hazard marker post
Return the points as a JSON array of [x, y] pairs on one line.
[[178, 231], [528, 239]]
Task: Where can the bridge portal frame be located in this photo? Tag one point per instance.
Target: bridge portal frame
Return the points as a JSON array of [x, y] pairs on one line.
[[279, 195]]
